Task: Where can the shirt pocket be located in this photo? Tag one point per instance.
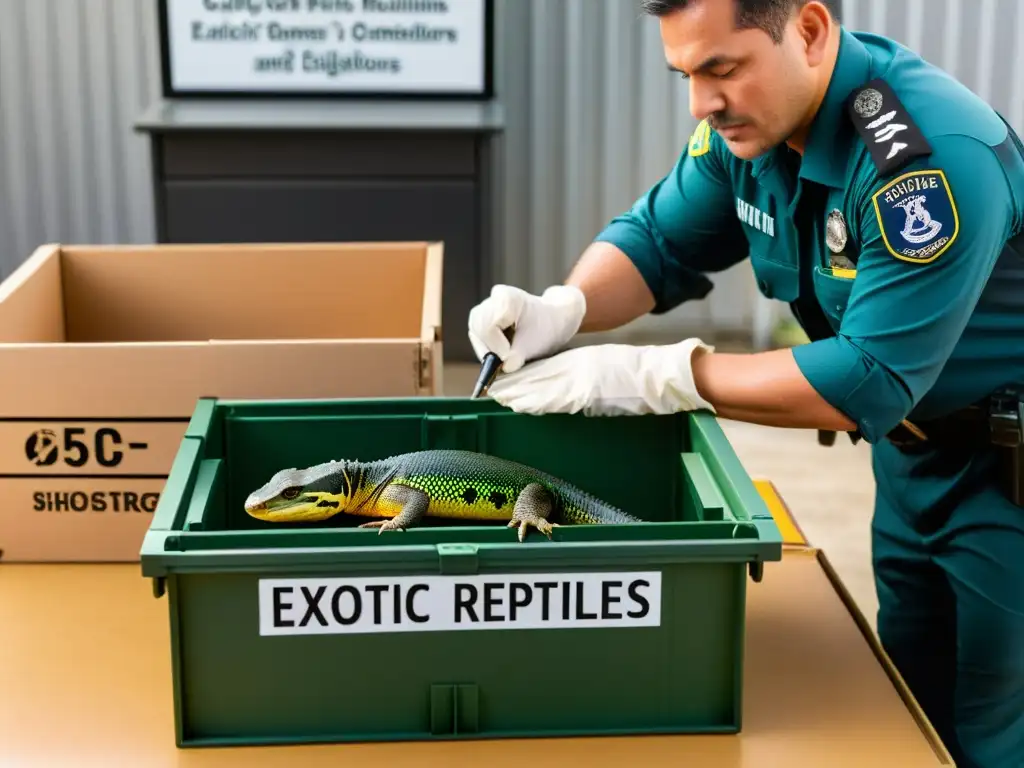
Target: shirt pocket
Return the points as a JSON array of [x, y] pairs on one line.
[[775, 280], [832, 288]]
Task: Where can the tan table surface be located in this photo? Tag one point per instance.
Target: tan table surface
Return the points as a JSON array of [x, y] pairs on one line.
[[85, 681]]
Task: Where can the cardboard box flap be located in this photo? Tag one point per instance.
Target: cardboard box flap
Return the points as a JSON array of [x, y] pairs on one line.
[[124, 294], [32, 300], [192, 293], [432, 281]]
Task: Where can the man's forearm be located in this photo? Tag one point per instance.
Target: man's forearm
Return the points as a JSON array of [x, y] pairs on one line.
[[766, 388], [615, 290]]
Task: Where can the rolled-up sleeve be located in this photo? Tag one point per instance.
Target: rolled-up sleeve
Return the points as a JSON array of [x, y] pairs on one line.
[[930, 236], [684, 226]]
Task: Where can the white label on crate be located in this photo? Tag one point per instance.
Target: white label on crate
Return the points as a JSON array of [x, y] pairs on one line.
[[305, 606], [358, 46]]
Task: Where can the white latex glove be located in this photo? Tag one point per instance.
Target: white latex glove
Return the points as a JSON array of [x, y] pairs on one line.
[[606, 380], [543, 324]]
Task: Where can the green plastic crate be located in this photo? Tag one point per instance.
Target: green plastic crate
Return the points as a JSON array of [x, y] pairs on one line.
[[676, 666]]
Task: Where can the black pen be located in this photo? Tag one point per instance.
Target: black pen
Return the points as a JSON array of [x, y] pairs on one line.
[[489, 368]]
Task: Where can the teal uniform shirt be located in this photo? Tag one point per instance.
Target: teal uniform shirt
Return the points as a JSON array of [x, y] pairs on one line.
[[932, 318], [897, 239]]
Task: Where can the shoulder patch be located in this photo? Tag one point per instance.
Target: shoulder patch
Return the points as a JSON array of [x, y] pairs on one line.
[[700, 141], [885, 126], [917, 216]]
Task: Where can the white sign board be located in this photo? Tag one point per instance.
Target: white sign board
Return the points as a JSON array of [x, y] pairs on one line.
[[395, 47], [310, 606]]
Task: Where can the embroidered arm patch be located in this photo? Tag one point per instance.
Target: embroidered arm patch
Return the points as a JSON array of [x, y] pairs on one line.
[[700, 141], [917, 216], [884, 124]]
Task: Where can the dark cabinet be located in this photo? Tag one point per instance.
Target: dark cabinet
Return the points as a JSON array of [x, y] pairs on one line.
[[254, 172]]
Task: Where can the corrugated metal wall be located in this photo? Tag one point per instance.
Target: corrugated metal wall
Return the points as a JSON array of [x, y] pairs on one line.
[[73, 76], [593, 118]]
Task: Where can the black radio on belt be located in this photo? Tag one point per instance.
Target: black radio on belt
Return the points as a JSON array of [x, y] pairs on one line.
[[1006, 424]]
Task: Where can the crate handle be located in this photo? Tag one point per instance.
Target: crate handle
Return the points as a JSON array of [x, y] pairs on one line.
[[701, 488]]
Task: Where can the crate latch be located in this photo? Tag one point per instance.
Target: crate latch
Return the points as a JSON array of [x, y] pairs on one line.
[[457, 559], [159, 586], [454, 709]]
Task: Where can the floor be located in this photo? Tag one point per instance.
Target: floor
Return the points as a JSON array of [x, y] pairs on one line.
[[828, 489]]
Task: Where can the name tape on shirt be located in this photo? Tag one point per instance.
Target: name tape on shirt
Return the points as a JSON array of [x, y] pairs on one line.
[[892, 137], [312, 606], [917, 216]]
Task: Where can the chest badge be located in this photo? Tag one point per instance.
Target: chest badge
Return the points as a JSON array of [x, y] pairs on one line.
[[835, 231]]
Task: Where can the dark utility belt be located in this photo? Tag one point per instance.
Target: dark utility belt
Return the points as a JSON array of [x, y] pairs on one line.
[[997, 420]]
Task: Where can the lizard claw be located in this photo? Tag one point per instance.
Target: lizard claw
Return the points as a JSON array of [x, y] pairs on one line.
[[532, 507], [383, 525], [539, 523]]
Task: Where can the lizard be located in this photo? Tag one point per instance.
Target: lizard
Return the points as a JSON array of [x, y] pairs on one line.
[[404, 488]]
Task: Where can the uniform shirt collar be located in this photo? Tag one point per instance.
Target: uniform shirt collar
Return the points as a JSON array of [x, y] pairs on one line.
[[828, 143]]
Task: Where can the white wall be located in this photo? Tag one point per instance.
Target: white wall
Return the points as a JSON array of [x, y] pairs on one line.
[[75, 73]]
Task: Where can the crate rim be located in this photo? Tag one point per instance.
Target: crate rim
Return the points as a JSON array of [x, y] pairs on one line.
[[165, 548]]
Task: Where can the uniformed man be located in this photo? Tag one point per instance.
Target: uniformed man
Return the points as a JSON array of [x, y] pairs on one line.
[[884, 202]]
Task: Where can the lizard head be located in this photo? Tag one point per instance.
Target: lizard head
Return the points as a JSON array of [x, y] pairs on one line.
[[301, 495]]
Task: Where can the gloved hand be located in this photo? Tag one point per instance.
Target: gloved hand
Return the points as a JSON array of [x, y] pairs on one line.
[[543, 324], [606, 380]]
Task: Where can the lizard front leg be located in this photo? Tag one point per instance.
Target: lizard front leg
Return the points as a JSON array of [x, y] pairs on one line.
[[413, 503], [533, 506]]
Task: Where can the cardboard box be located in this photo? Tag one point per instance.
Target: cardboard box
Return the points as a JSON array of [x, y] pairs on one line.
[[105, 350]]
